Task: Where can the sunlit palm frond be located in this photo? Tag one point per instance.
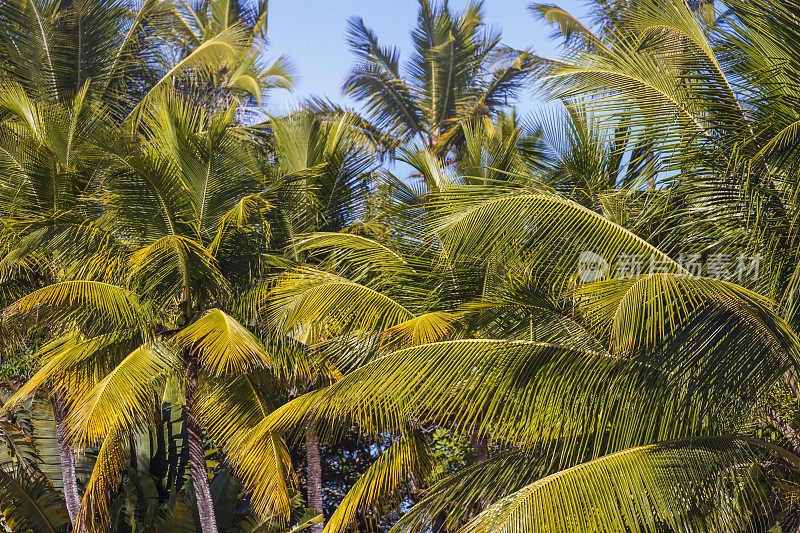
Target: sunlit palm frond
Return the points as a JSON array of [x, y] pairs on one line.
[[249, 211], [73, 364], [476, 222], [206, 58], [711, 482], [135, 382], [423, 329], [103, 483], [224, 346], [532, 394], [456, 498], [162, 270], [264, 465], [310, 298], [357, 258], [229, 406], [642, 313], [92, 305], [407, 460], [570, 28]]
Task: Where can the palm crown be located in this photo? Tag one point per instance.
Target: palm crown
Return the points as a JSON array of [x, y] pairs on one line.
[[457, 72]]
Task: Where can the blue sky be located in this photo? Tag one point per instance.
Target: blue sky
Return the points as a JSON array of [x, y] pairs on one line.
[[312, 33]]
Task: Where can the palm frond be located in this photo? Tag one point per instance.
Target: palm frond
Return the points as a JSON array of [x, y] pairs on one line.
[[538, 396], [377, 81], [309, 298], [221, 48], [105, 479], [710, 482], [224, 346], [162, 270], [475, 222], [73, 364], [406, 459], [264, 465], [29, 503], [463, 494], [91, 305], [135, 383]]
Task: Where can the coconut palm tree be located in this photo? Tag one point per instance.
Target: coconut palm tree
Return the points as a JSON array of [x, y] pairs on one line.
[[326, 176], [630, 400], [119, 52], [246, 76], [142, 310], [457, 72]]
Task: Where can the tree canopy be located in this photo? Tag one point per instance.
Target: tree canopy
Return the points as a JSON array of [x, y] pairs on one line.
[[419, 312]]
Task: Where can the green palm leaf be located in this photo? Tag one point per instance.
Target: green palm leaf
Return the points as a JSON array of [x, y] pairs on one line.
[[29, 503], [461, 495], [711, 483], [264, 465], [535, 395], [162, 270], [311, 298], [72, 364], [135, 383], [221, 48], [475, 222], [223, 344], [91, 304], [104, 481], [406, 459]]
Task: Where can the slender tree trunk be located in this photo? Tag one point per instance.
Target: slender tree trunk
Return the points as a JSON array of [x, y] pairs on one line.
[[314, 473], [480, 446], [197, 456], [73, 499], [783, 427], [791, 379]]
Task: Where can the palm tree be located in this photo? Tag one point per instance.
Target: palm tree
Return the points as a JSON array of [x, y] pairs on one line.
[[119, 52], [326, 175], [74, 71], [142, 309], [458, 72], [245, 76], [630, 401], [588, 380]]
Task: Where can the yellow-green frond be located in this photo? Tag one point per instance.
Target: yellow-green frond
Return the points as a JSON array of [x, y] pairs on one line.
[[106, 475], [547, 231], [223, 344], [422, 329], [309, 298], [124, 399], [264, 465], [711, 483], [463, 494], [92, 305], [406, 461]]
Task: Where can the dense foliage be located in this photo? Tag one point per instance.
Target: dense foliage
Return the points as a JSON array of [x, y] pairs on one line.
[[423, 314]]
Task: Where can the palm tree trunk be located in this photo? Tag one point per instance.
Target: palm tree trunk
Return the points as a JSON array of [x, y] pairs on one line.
[[71, 495], [480, 446], [313, 473], [197, 456]]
